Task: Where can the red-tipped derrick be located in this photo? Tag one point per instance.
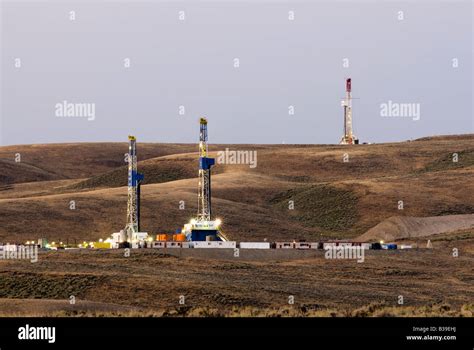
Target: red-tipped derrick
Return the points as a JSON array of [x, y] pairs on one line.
[[348, 85]]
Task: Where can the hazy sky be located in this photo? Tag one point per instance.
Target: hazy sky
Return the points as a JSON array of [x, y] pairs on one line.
[[416, 52]]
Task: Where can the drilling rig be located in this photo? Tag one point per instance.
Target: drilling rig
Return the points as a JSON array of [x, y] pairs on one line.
[[348, 137], [132, 228], [202, 227]]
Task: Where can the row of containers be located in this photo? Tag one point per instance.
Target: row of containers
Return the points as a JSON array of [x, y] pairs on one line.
[[268, 245], [179, 241]]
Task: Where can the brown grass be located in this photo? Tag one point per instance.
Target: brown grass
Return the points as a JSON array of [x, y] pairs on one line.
[[332, 198]]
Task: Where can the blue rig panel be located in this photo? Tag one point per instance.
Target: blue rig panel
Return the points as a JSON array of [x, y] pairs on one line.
[[206, 163], [134, 178]]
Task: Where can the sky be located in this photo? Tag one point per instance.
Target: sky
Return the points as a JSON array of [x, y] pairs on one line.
[[260, 71]]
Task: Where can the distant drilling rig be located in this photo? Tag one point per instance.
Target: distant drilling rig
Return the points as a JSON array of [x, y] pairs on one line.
[[132, 228], [131, 234], [202, 227], [348, 137]]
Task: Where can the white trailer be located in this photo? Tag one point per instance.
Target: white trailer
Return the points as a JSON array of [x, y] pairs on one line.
[[306, 245], [284, 245], [254, 245], [214, 244], [158, 245], [173, 244], [10, 247], [328, 245]]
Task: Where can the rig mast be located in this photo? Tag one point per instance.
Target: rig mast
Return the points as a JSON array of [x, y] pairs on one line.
[[348, 137], [134, 179], [204, 185]]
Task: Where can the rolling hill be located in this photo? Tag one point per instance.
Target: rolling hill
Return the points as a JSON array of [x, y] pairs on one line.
[[332, 198]]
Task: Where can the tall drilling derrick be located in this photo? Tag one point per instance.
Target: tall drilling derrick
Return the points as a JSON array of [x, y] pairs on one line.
[[203, 228], [204, 186], [348, 137], [134, 179]]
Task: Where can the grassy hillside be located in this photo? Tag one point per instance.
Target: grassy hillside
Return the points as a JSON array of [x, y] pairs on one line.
[[332, 198]]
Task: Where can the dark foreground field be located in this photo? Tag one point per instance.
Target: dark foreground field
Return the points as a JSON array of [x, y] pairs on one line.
[[151, 282]]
